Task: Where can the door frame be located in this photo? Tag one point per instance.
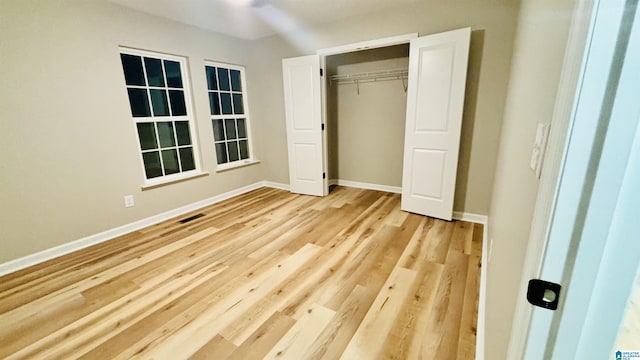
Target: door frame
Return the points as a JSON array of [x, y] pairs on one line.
[[580, 37], [343, 49], [554, 157]]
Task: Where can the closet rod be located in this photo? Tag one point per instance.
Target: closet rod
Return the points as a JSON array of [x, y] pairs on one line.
[[393, 74]]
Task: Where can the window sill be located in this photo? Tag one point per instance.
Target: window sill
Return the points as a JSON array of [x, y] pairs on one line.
[[235, 165], [172, 180]]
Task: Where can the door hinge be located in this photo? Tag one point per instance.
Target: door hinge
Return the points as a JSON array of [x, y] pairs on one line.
[[321, 72], [324, 175], [322, 127]]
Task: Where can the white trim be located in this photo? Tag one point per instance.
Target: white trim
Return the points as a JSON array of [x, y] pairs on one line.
[[559, 128], [171, 179], [276, 185], [482, 300], [369, 44], [474, 218], [48, 254], [246, 115], [185, 76], [369, 186], [236, 164], [457, 215]]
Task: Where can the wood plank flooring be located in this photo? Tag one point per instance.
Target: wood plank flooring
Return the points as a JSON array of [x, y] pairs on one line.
[[267, 274]]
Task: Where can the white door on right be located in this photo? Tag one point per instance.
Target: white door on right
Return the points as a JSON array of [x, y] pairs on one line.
[[435, 98]]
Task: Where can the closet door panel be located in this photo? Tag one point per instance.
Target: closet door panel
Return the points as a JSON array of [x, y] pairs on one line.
[[435, 97], [301, 78]]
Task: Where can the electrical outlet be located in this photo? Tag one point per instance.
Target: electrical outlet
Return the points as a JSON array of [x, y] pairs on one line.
[[128, 201]]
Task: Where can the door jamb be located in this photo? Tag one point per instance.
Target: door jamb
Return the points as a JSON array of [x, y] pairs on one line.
[[342, 49], [369, 44], [561, 121]]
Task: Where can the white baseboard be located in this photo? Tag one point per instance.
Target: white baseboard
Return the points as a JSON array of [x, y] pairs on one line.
[[276, 185], [29, 260], [361, 185], [482, 301], [474, 218], [54, 252]]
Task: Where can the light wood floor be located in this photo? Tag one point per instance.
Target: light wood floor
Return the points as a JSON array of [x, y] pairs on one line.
[[267, 274]]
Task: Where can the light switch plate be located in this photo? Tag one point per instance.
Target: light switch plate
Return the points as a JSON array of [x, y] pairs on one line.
[[540, 134], [533, 163], [537, 154]]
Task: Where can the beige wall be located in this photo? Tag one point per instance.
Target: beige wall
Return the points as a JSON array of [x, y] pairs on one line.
[[535, 71], [68, 153], [366, 130], [493, 25]]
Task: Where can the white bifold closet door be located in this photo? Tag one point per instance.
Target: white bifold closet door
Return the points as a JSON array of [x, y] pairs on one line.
[[435, 97], [304, 124]]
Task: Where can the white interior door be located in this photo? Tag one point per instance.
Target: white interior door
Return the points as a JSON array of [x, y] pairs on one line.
[[435, 97], [303, 114]]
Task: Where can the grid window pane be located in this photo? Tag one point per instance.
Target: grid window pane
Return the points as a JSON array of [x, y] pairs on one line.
[[236, 84], [139, 102], [159, 102], [230, 127], [242, 129], [218, 130], [244, 149], [221, 153], [238, 106], [182, 133], [174, 77], [170, 161], [228, 107], [147, 136], [165, 134], [132, 66], [223, 79], [214, 103], [232, 146], [157, 94], [186, 159], [152, 166], [225, 99], [154, 71], [212, 78], [178, 106]]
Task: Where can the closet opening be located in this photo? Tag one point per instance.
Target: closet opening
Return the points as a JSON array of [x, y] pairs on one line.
[[365, 112]]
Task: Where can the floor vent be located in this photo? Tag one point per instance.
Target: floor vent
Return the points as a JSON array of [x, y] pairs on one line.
[[191, 218]]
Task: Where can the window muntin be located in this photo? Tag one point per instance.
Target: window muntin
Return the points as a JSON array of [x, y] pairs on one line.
[[229, 116], [158, 97]]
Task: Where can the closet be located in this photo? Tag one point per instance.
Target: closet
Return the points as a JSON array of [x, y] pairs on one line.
[[344, 117], [366, 107]]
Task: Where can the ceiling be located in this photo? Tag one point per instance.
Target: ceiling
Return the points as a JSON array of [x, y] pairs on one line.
[[254, 19]]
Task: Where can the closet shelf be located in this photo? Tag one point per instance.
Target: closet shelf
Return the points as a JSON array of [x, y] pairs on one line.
[[393, 74]]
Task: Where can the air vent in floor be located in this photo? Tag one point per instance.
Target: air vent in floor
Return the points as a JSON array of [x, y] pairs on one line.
[[191, 218]]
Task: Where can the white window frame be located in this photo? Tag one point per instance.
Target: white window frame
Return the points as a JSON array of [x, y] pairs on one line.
[[247, 116], [189, 117]]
